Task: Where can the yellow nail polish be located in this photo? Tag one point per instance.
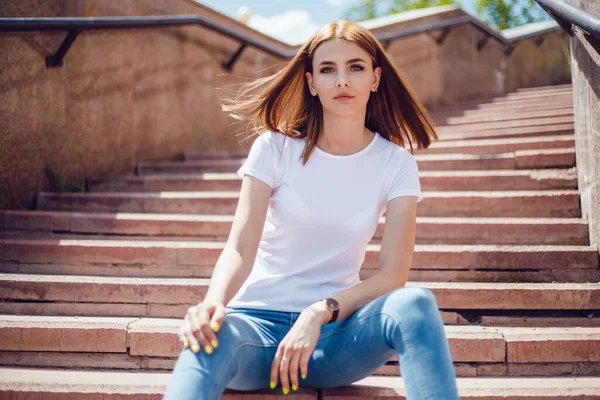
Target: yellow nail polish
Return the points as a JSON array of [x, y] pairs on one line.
[[195, 348], [186, 344], [285, 391], [214, 343], [215, 327], [272, 385], [303, 376], [208, 349], [294, 387]]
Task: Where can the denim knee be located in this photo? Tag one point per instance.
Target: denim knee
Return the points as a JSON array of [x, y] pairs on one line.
[[416, 301]]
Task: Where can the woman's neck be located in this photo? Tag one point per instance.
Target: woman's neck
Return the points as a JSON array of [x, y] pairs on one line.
[[344, 135]]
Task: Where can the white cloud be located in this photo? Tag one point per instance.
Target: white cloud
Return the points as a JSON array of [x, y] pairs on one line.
[[293, 26]]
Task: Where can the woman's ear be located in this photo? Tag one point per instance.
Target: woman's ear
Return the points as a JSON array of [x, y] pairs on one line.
[[377, 73], [309, 79]]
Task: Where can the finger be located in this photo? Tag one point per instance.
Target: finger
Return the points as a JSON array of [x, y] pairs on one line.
[[204, 330], [183, 339], [304, 358], [284, 372], [275, 368], [188, 335], [218, 318], [293, 366], [197, 339], [208, 332]]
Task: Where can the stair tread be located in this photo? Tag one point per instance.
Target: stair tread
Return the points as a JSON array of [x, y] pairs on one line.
[[154, 383], [229, 218], [164, 281]]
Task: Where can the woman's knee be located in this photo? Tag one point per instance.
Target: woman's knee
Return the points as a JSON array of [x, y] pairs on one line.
[[413, 300]]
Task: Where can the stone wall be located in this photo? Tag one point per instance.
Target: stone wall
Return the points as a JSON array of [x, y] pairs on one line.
[[148, 94], [121, 96], [586, 96]]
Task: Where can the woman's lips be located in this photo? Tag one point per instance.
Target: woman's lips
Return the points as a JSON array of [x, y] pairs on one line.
[[344, 98]]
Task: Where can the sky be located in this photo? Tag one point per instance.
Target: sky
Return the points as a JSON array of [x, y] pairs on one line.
[[294, 21]]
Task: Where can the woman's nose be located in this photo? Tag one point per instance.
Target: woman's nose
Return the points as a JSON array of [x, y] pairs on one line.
[[342, 80]]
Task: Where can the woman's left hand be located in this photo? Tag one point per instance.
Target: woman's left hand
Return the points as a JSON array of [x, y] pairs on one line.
[[295, 349]]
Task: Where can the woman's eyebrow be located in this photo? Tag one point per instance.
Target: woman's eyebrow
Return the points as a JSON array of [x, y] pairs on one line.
[[347, 62]]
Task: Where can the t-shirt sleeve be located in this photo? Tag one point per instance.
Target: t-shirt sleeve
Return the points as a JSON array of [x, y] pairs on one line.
[[260, 162], [406, 179]]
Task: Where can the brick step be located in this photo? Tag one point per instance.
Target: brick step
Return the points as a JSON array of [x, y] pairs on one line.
[[565, 231], [499, 102], [542, 96], [152, 343], [506, 116], [430, 181], [169, 297], [548, 152], [187, 253], [479, 108], [514, 97], [432, 275], [499, 125], [499, 317], [498, 146], [194, 162], [539, 97], [538, 152], [443, 118], [34, 383], [550, 88], [540, 131], [551, 105], [530, 204], [519, 159]]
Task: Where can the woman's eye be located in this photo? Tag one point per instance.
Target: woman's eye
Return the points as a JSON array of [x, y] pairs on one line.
[[358, 68]]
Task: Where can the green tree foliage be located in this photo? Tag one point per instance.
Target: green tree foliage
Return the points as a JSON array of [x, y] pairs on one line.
[[503, 14], [499, 14], [369, 9]]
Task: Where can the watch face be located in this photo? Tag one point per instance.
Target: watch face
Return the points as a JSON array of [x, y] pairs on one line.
[[332, 304]]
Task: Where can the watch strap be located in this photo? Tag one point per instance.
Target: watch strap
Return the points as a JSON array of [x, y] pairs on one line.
[[334, 312], [334, 316]]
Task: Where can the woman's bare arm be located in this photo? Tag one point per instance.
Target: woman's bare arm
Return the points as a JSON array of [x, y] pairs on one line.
[[238, 256]]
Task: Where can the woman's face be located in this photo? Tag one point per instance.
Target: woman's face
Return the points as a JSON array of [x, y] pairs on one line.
[[340, 67]]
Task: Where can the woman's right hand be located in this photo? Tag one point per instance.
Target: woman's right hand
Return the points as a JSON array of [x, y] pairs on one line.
[[200, 324]]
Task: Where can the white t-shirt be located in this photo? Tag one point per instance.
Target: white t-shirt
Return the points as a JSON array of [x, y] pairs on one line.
[[321, 217]]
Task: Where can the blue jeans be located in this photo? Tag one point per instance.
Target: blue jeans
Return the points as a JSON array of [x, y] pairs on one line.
[[404, 321]]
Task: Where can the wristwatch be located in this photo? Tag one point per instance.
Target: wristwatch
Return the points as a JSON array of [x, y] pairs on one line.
[[333, 306]]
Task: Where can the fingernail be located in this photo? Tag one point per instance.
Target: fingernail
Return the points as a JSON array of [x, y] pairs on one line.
[[294, 387], [285, 391], [215, 327], [195, 348], [208, 349], [214, 343], [272, 385], [186, 344], [303, 376]]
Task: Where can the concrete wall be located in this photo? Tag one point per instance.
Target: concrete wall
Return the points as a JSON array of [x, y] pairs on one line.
[[586, 96], [126, 96], [121, 96]]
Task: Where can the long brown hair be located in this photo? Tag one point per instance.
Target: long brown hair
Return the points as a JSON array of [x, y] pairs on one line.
[[282, 102]]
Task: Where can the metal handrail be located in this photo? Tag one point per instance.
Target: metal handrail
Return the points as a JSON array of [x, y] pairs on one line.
[[75, 25], [568, 17]]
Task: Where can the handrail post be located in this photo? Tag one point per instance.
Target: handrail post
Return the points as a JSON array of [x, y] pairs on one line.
[[56, 59]]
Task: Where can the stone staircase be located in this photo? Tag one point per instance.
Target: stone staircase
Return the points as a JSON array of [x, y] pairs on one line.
[[94, 285]]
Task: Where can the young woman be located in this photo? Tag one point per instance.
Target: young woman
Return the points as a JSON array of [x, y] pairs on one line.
[[285, 306]]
